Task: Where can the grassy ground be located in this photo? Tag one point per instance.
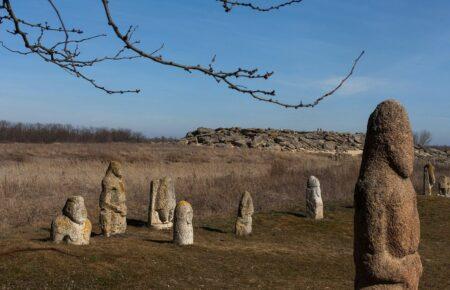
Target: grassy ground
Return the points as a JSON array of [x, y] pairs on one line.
[[286, 251]]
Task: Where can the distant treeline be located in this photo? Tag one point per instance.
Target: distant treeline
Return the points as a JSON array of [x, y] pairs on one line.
[[50, 133]]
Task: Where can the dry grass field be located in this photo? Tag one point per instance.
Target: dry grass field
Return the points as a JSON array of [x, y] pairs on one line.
[[36, 179], [286, 250]]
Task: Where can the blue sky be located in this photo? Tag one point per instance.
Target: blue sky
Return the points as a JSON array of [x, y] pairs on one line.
[[309, 46]]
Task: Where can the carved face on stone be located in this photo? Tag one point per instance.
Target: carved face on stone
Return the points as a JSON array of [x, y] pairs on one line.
[[389, 135], [313, 182], [115, 168], [75, 209], [184, 212], [165, 215]]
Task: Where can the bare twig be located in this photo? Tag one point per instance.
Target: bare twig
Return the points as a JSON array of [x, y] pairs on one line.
[[65, 53], [228, 5], [227, 77]]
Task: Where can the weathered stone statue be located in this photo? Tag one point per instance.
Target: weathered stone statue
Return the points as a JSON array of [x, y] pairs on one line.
[[113, 208], [387, 228], [162, 203], [314, 204], [244, 220], [183, 230], [444, 186], [73, 226], [428, 179]]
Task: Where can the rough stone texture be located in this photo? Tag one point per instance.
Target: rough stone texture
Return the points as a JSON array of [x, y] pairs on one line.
[[444, 186], [289, 140], [387, 227], [183, 230], [113, 208], [428, 179], [314, 204], [285, 140], [243, 226], [162, 203], [73, 227]]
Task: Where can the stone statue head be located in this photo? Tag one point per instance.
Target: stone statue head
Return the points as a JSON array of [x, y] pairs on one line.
[[75, 209], [313, 182], [184, 212], [115, 168], [389, 138]]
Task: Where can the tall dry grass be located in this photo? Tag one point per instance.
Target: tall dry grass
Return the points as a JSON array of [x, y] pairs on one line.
[[36, 179]]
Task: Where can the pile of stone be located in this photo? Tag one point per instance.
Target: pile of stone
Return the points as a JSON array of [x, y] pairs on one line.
[[290, 140], [271, 139], [436, 155]]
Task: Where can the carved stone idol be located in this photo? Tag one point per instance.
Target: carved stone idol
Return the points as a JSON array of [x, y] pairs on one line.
[[162, 203], [73, 226], [387, 227], [244, 220], [113, 208], [183, 229]]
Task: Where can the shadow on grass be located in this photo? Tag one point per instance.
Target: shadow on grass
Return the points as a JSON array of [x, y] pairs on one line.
[[47, 239], [215, 230], [136, 223], [27, 250], [158, 241], [293, 213]]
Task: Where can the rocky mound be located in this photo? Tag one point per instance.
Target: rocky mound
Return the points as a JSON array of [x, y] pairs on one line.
[[290, 140], [271, 139]]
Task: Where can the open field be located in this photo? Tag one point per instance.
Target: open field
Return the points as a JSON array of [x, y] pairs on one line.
[[286, 250], [36, 179]]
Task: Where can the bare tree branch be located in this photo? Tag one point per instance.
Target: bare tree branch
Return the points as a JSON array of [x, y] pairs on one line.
[[228, 5], [65, 53], [227, 77]]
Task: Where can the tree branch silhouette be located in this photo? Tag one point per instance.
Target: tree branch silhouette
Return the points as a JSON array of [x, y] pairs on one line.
[[65, 53], [228, 5]]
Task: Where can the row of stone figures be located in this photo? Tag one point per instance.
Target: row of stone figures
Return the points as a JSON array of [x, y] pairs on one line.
[[73, 226], [386, 219], [429, 180]]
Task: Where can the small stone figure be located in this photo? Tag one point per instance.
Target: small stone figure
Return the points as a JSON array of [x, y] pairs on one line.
[[428, 179], [314, 204], [113, 208], [183, 231], [243, 225], [162, 203], [73, 226], [444, 186], [386, 221]]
